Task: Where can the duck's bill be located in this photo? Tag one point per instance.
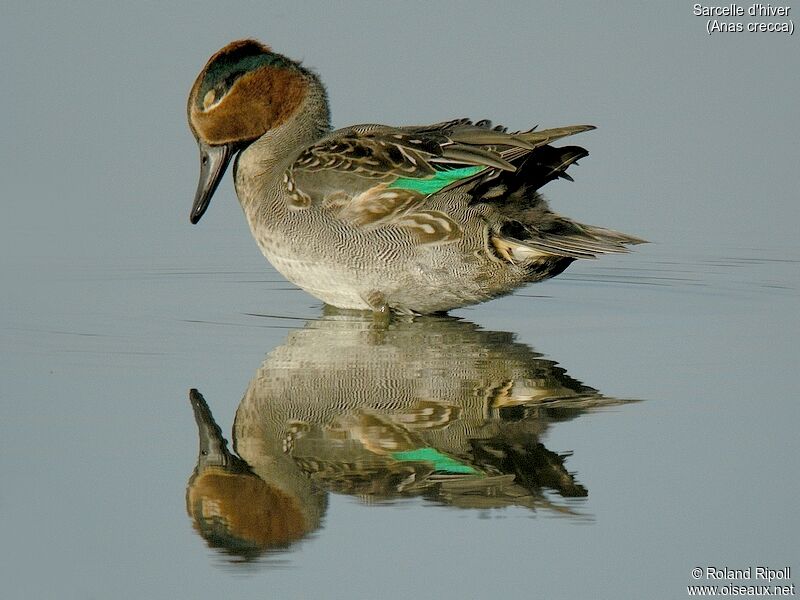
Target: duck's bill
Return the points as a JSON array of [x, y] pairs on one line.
[[213, 162], [213, 451]]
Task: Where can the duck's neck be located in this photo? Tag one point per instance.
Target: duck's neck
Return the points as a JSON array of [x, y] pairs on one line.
[[258, 165]]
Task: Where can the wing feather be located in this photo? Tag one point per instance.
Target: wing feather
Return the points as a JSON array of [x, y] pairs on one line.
[[375, 176]]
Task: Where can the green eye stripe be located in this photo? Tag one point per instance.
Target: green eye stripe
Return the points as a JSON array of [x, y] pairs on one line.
[[224, 71]]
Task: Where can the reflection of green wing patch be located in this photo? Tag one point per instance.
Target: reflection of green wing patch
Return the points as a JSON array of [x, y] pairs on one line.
[[441, 462], [431, 185]]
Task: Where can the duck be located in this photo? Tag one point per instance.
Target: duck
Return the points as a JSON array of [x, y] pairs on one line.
[[391, 219]]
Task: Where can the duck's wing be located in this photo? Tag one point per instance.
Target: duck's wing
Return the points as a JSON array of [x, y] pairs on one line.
[[373, 175]]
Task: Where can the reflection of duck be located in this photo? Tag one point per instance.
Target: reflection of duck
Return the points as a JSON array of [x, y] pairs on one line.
[[413, 219], [434, 407], [239, 509]]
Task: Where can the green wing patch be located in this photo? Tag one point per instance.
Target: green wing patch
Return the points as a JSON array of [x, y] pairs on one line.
[[441, 462], [440, 180]]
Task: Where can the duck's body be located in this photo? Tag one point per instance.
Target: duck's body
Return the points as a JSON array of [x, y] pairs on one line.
[[410, 219]]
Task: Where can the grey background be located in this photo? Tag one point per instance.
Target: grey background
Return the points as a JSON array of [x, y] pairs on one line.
[[113, 305]]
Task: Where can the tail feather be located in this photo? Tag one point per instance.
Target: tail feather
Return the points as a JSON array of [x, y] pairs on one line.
[[583, 241], [545, 136], [519, 164]]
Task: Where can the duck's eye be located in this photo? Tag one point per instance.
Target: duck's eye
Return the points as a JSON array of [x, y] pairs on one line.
[[209, 99]]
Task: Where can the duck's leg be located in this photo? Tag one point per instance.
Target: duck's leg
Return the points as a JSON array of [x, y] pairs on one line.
[[378, 305], [376, 301]]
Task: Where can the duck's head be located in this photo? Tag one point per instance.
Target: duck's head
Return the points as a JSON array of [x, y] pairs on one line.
[[244, 90]]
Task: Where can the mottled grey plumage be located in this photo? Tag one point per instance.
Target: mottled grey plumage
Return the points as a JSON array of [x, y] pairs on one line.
[[413, 219]]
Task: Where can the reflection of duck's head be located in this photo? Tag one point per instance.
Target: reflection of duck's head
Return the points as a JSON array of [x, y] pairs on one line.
[[234, 508]]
